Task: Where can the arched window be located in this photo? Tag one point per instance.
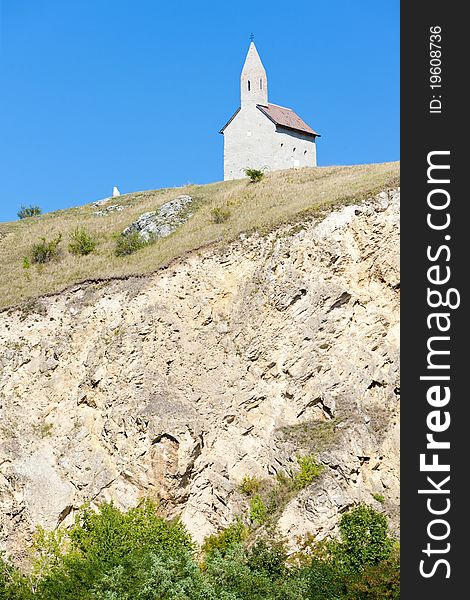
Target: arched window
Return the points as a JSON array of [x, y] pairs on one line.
[[249, 85], [305, 152], [293, 150], [282, 144], [260, 84]]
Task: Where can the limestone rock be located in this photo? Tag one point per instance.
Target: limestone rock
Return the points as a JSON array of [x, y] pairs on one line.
[[109, 209], [153, 225]]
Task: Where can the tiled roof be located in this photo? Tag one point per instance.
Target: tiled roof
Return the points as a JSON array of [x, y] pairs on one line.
[[286, 117]]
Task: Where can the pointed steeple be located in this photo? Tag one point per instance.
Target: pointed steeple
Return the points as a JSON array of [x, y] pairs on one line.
[[253, 81]]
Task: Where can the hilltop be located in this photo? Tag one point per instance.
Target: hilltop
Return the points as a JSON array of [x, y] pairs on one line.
[[280, 198]]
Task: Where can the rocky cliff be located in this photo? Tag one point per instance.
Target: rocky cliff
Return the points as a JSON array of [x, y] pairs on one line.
[[232, 361]]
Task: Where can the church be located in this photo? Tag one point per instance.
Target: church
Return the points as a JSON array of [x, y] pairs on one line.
[[261, 135]]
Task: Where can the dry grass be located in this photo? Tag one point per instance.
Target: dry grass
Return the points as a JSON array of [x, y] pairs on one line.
[[281, 197]]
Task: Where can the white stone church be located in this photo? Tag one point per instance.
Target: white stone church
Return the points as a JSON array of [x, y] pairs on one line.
[[261, 135]]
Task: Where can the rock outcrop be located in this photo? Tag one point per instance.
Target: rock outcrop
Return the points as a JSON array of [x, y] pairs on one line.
[[154, 225], [229, 362]]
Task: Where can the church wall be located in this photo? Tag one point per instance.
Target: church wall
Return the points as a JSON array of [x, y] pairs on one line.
[[252, 141]]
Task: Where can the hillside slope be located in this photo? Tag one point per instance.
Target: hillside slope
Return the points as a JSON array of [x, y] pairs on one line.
[[281, 197], [231, 361]]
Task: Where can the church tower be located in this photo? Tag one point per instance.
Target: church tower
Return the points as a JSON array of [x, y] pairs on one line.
[[253, 80]]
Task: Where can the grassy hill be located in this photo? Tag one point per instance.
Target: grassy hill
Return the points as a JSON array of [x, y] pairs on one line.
[[281, 197]]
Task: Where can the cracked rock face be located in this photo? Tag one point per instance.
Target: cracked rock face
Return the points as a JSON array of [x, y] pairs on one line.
[[230, 362]]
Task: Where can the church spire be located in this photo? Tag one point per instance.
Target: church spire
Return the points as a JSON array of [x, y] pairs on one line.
[[253, 81]]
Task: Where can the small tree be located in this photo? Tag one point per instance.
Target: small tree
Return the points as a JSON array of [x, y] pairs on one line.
[[81, 242], [365, 540], [254, 174], [28, 211]]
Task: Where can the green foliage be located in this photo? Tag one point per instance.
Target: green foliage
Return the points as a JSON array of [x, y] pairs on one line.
[[28, 211], [137, 555], [102, 545], [13, 585], [325, 581], [377, 581], [109, 534], [128, 244], [26, 262], [233, 535], [268, 557], [236, 576], [258, 510], [220, 215], [249, 485], [48, 548], [364, 539], [81, 242], [309, 470], [254, 174], [45, 251], [379, 497]]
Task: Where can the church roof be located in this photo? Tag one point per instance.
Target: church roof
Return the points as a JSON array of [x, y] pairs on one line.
[[281, 116], [286, 117]]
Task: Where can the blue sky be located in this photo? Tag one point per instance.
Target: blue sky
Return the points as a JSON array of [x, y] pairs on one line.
[[96, 93]]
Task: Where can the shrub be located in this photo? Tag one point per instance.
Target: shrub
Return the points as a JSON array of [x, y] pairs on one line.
[[81, 242], [309, 470], [325, 580], [220, 215], [107, 546], [128, 244], [234, 534], [28, 211], [268, 557], [249, 485], [45, 251], [254, 175], [377, 581], [379, 497], [364, 539], [258, 510], [13, 585]]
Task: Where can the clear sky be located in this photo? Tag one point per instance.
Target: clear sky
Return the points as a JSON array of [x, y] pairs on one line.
[[133, 93]]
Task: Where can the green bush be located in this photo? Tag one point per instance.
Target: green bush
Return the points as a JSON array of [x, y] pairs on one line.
[[309, 470], [29, 211], [376, 581], [233, 535], [81, 242], [45, 251], [13, 585], [254, 175], [258, 510], [220, 215], [249, 485], [364, 539], [128, 244], [268, 557], [101, 545]]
